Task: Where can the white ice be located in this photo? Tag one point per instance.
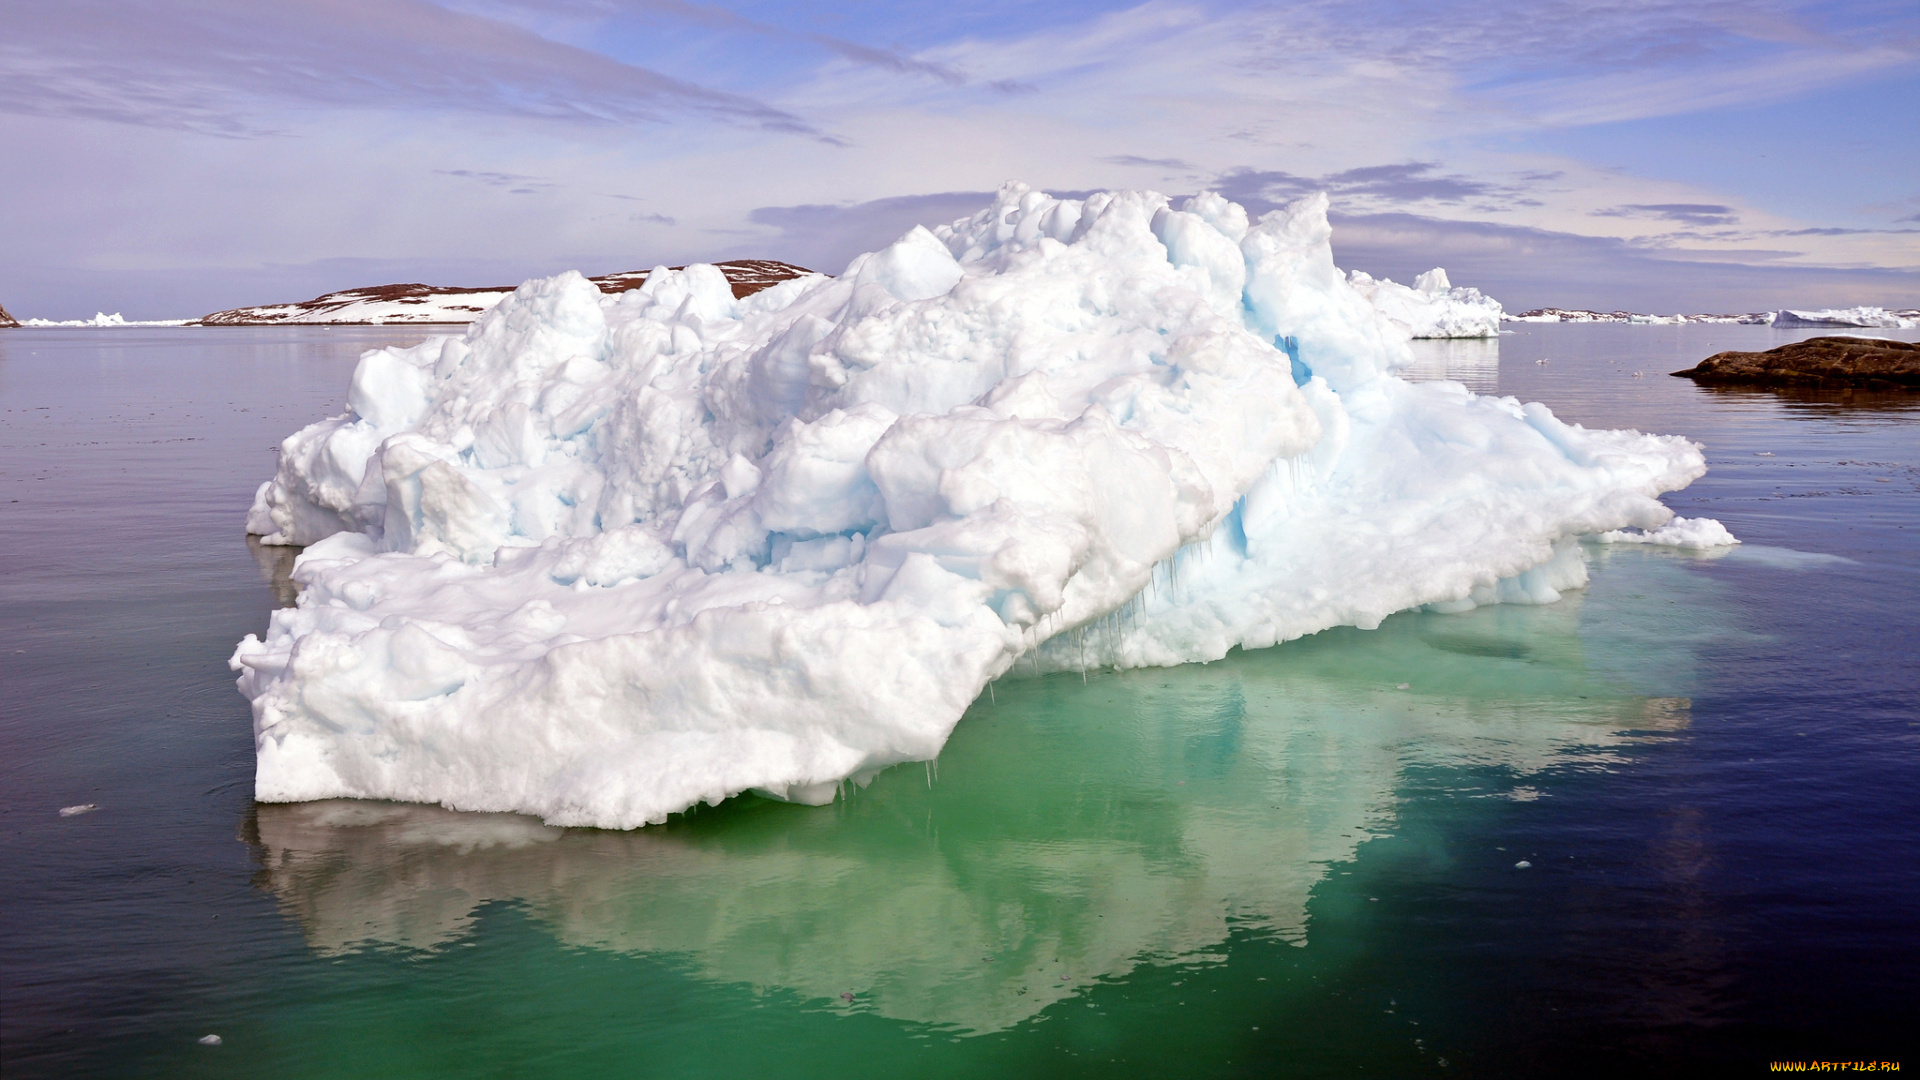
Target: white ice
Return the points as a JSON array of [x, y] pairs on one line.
[[100, 319], [1432, 308], [1695, 533], [602, 558], [1855, 316]]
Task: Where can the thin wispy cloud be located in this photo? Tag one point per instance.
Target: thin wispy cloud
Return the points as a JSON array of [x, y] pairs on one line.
[[225, 67], [514, 183], [1136, 161], [755, 129], [1847, 232], [1401, 183], [719, 18], [1684, 213]]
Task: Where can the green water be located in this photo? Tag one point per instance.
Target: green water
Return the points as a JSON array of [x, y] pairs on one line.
[[1283, 864], [1164, 872]]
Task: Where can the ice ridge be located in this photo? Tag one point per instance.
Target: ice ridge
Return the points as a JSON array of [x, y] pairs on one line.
[[602, 558]]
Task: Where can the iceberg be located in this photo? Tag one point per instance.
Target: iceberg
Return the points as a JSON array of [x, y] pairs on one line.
[[1433, 308], [603, 558], [1874, 317], [100, 318]]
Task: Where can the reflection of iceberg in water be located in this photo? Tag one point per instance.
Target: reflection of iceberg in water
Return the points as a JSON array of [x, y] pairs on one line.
[[1072, 829], [1473, 362], [276, 569]]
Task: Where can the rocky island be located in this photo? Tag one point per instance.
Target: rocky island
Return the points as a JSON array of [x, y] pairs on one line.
[[6, 320], [1816, 362], [413, 302]]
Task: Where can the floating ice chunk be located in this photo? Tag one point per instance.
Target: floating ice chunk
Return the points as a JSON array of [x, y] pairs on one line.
[[1523, 865], [602, 558], [210, 1040], [1433, 308], [1855, 316], [1693, 533], [76, 811], [100, 319]]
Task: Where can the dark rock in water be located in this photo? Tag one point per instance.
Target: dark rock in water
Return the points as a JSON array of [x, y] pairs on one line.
[[7, 320], [1821, 361]]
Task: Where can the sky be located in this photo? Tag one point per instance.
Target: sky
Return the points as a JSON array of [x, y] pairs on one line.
[[167, 158]]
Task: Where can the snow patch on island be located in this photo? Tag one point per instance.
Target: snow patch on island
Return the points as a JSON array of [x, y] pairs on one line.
[[602, 558]]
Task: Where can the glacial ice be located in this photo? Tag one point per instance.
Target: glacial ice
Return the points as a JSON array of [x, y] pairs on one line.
[[600, 559], [1874, 317], [1432, 308], [100, 318], [1696, 534]]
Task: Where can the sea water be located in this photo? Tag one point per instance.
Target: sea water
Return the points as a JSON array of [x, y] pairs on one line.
[[1305, 860]]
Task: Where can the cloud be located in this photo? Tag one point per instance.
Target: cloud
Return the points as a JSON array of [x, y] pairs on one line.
[[1522, 266], [827, 236], [1529, 267], [1133, 160], [1684, 213], [228, 67], [719, 18], [1409, 182], [515, 183], [1393, 106], [1845, 232]]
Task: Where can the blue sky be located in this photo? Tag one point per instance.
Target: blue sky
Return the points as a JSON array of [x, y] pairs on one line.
[[171, 157]]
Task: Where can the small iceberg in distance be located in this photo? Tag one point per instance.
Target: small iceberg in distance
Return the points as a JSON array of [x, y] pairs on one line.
[[100, 319], [605, 557], [1432, 308], [1855, 316]]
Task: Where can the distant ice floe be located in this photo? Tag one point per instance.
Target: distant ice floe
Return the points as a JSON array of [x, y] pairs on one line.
[[602, 558], [1874, 317], [102, 319], [1433, 308], [1582, 315], [1856, 317]]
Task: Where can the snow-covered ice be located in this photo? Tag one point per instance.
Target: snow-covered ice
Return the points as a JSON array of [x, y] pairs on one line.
[[1694, 533], [100, 318], [1582, 315], [1875, 317], [1432, 308], [602, 558]]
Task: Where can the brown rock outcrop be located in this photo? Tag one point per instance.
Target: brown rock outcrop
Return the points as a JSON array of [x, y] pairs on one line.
[[1816, 362], [7, 320]]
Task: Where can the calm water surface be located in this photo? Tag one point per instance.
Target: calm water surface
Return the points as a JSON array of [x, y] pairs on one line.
[[1294, 862]]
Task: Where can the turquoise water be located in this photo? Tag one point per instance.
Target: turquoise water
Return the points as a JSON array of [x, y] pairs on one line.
[[1298, 861]]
